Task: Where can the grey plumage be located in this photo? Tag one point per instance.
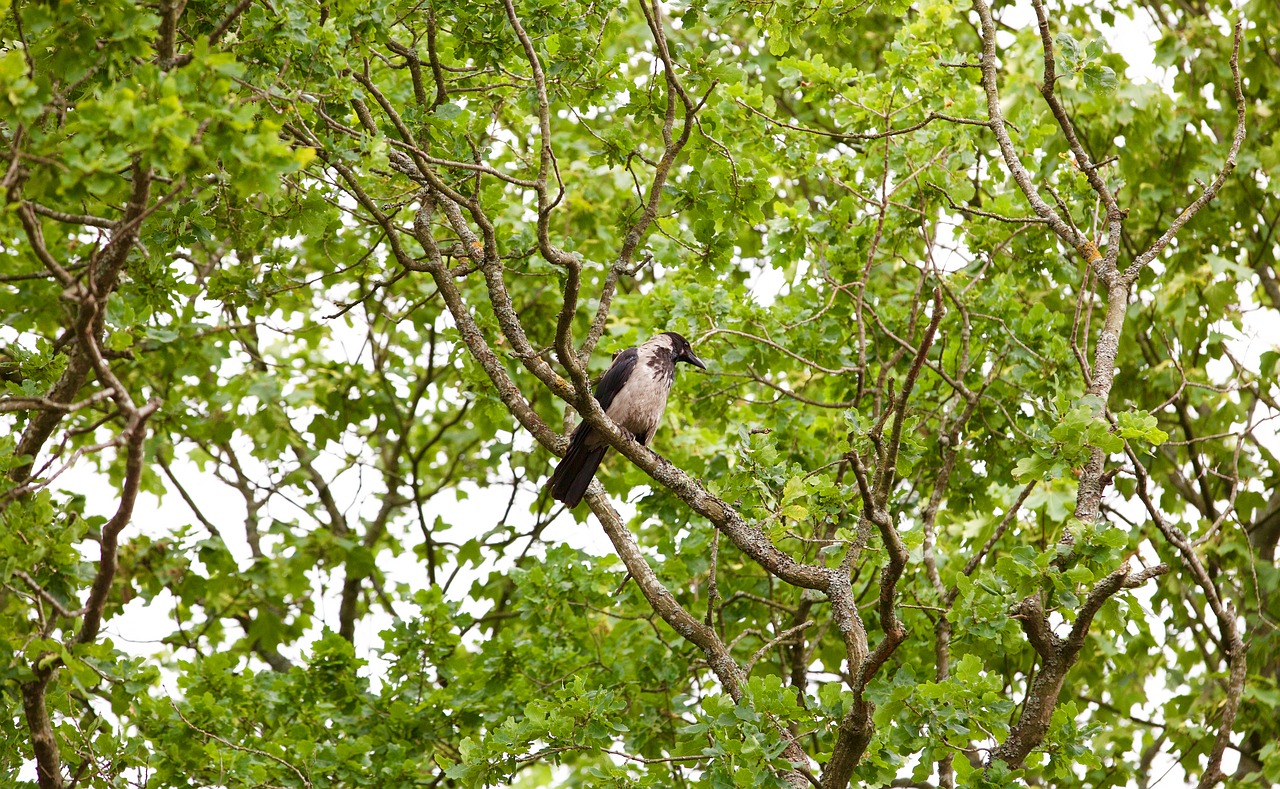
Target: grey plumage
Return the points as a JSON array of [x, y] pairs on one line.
[[633, 392]]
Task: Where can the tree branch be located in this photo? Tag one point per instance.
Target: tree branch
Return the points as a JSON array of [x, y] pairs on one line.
[[1211, 191], [1057, 656], [1021, 177]]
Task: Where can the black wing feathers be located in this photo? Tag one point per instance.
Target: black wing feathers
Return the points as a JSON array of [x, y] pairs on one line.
[[616, 377], [575, 471], [572, 477]]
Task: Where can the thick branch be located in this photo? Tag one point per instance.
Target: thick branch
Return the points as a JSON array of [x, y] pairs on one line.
[[1057, 656], [167, 36], [749, 538], [43, 742], [136, 435], [9, 404]]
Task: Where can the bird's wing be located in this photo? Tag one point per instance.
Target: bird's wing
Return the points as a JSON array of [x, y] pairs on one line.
[[616, 377]]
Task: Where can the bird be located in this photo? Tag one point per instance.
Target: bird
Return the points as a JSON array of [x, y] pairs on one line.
[[633, 392]]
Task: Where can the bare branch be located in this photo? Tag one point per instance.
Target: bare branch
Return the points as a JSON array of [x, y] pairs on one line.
[[45, 595], [500, 299], [474, 339], [970, 210], [1231, 641], [887, 471], [105, 270], [672, 146], [8, 404], [1009, 515], [782, 349], [726, 669], [72, 219], [773, 642]]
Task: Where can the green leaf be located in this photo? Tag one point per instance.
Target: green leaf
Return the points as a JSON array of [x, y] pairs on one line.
[[1100, 79], [1034, 467], [1069, 50], [795, 512], [778, 43], [1140, 425]]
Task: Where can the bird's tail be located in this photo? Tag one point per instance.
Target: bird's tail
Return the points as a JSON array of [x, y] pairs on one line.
[[573, 475]]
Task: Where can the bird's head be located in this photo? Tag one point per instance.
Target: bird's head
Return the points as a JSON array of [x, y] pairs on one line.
[[683, 351]]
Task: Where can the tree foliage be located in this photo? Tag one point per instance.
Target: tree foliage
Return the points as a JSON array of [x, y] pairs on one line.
[[981, 487]]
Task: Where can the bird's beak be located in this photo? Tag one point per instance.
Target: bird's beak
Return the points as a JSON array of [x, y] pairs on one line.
[[691, 358]]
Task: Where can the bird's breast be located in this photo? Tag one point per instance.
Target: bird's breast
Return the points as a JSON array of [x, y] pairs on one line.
[[639, 405]]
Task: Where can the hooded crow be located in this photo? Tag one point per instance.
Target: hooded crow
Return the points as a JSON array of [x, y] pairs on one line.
[[633, 392]]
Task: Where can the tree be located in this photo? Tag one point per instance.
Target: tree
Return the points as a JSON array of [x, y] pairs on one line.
[[980, 489]]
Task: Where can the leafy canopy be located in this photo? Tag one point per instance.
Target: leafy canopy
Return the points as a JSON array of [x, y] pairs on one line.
[[321, 286]]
